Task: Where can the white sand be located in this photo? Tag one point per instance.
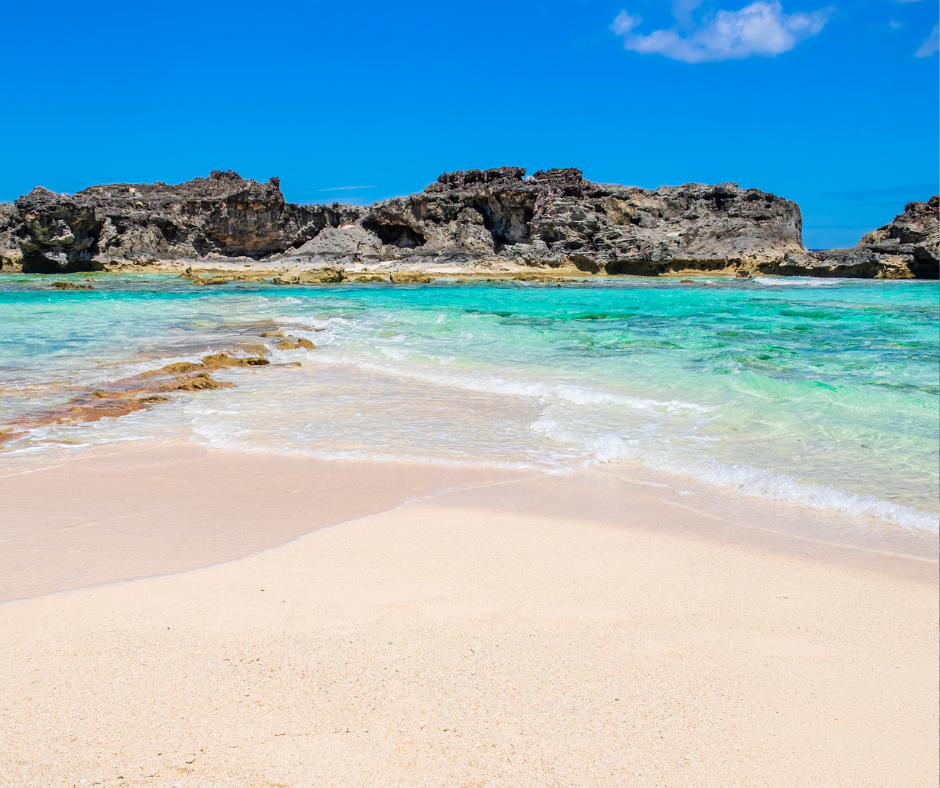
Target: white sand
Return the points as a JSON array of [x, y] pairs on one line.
[[448, 643]]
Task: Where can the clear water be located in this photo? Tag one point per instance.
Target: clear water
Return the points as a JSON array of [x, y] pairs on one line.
[[820, 392]]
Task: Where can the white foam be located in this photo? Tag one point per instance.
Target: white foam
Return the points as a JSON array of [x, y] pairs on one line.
[[491, 384], [756, 482]]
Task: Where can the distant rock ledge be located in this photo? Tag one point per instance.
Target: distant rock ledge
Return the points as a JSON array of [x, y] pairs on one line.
[[475, 221]]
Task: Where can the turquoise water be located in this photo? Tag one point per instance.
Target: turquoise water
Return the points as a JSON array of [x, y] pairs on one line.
[[821, 392]]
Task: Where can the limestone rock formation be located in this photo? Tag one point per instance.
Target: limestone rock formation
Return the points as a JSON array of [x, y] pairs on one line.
[[471, 219], [223, 214], [10, 254], [904, 249], [556, 217], [911, 239]]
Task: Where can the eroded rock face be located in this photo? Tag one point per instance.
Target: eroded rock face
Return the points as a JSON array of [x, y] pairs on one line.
[[475, 217], [223, 214], [556, 217], [904, 249], [10, 254]]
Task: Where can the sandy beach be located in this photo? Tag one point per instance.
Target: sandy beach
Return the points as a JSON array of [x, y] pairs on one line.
[[448, 629]]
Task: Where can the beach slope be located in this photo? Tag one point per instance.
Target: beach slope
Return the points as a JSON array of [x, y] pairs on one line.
[[452, 641]]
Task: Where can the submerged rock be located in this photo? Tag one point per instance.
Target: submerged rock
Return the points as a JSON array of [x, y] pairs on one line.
[[410, 278], [218, 360], [201, 382], [317, 276], [69, 286], [295, 344]]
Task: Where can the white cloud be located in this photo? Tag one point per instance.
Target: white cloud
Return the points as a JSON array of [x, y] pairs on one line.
[[760, 28], [931, 44]]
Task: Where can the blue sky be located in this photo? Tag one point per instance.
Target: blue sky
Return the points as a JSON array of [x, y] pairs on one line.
[[831, 104]]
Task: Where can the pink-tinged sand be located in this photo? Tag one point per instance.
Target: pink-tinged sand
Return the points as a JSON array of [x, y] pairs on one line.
[[508, 633]]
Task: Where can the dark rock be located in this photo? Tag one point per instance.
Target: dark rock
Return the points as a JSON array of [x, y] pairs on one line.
[[69, 286], [223, 214], [551, 219], [10, 254], [904, 249], [557, 218]]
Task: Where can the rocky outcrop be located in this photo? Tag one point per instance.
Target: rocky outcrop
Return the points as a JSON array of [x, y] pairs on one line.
[[911, 240], [224, 215], [904, 249], [498, 218], [555, 218], [10, 254]]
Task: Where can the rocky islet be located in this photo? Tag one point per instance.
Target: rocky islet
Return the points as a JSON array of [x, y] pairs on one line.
[[497, 222]]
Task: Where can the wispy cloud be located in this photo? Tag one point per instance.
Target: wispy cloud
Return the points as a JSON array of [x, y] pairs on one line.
[[346, 188], [761, 28], [931, 44]]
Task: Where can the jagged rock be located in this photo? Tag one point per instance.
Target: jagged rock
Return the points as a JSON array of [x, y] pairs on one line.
[[315, 276], [69, 286], [904, 249], [10, 254], [213, 280], [555, 217], [223, 214], [499, 218], [218, 360], [201, 382], [410, 278], [295, 344], [181, 367]]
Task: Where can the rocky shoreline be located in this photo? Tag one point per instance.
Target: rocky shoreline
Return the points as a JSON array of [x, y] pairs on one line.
[[496, 223]]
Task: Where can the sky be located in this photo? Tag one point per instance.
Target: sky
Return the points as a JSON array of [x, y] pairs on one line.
[[832, 103]]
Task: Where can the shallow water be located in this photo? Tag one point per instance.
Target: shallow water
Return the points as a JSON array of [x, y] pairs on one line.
[[819, 392]]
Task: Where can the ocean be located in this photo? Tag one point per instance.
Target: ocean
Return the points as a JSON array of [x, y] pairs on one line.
[[819, 392]]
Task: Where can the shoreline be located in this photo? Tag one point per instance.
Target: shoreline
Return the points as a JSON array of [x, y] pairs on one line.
[[144, 512], [316, 272], [502, 629]]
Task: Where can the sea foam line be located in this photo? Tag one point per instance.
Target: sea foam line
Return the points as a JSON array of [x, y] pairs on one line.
[[491, 384], [759, 483]]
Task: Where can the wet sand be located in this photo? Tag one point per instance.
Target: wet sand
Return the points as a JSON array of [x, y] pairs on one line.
[[516, 631]]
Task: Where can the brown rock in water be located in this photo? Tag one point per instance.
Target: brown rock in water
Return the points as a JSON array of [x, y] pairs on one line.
[[70, 286], [109, 408], [370, 278], [269, 334], [295, 344], [410, 278], [173, 369], [315, 276], [201, 382], [218, 360], [215, 280]]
